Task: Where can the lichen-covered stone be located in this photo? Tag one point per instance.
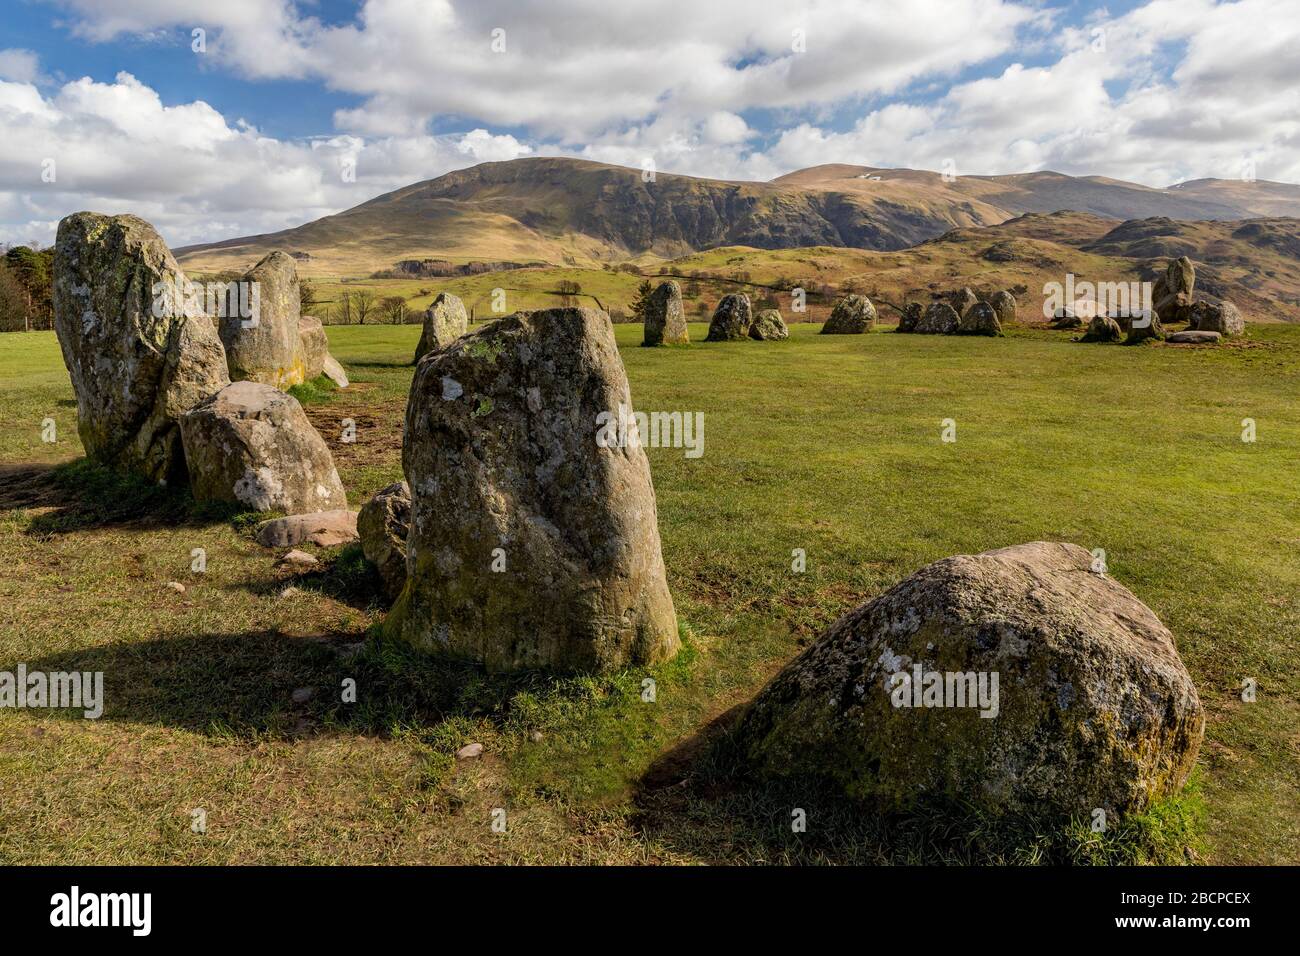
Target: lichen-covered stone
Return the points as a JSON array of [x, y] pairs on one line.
[[134, 372], [1143, 326], [910, 318], [665, 320], [1093, 707], [313, 346], [731, 319], [1172, 292], [980, 319], [1004, 305], [1103, 328], [444, 321], [938, 319], [534, 539], [266, 347], [852, 315], [252, 445], [1222, 317], [768, 326], [383, 524], [962, 300]]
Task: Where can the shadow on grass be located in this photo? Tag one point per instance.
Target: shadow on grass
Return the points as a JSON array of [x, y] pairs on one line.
[[698, 799], [243, 685], [81, 495]]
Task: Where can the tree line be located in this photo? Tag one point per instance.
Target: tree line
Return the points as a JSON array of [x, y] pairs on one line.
[[26, 289]]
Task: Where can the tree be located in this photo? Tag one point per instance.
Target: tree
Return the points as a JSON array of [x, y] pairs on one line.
[[394, 309], [343, 309], [641, 304], [34, 269], [363, 303], [307, 293], [14, 314]]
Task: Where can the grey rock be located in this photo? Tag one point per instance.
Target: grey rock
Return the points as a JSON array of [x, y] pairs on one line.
[[665, 321], [519, 457], [1172, 292], [1004, 305], [852, 315], [938, 319], [252, 445], [1094, 708], [444, 321], [1143, 326], [962, 300], [1194, 337], [769, 326], [910, 318], [325, 529], [731, 319], [1103, 328], [980, 319], [313, 346], [1223, 318], [299, 559], [134, 373], [334, 372], [383, 525], [266, 346]]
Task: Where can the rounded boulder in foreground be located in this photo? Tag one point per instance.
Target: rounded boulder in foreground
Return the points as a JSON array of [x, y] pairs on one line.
[[1092, 706], [852, 315]]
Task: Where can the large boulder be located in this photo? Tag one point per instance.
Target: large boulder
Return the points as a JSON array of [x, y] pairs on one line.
[[768, 326], [1172, 292], [1015, 680], [1143, 326], [731, 319], [852, 315], [251, 445], [665, 319], [265, 346], [1194, 337], [382, 524], [1103, 328], [938, 319], [980, 319], [1222, 317], [1004, 305], [137, 345], [962, 300], [534, 540], [910, 318], [313, 346], [445, 320]]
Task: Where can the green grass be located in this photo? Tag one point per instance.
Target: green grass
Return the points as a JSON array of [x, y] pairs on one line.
[[828, 444]]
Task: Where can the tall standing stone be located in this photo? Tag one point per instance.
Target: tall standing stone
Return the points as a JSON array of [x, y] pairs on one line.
[[665, 320], [138, 348], [731, 319], [445, 320], [1004, 304], [265, 346], [1172, 292], [534, 539]]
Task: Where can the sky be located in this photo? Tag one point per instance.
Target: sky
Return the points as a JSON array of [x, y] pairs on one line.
[[220, 118]]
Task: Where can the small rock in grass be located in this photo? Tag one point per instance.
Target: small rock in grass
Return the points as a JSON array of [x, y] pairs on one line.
[[176, 586], [303, 694], [469, 752], [299, 559]]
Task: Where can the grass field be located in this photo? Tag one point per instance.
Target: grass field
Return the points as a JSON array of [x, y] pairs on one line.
[[829, 444]]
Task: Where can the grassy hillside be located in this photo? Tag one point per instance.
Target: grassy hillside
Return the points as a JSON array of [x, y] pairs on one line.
[[829, 444]]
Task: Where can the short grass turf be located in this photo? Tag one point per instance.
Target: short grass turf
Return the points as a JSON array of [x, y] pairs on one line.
[[829, 444]]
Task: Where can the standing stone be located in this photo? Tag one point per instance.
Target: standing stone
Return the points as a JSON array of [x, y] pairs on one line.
[[383, 524], [334, 372], [1223, 318], [731, 320], [962, 300], [1004, 305], [938, 319], [534, 539], [852, 315], [138, 348], [1143, 326], [1092, 707], [1103, 328], [769, 326], [445, 320], [265, 347], [665, 320], [1172, 292], [252, 445], [980, 319], [911, 317], [313, 346]]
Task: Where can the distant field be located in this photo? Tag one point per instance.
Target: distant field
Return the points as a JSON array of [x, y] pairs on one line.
[[829, 444]]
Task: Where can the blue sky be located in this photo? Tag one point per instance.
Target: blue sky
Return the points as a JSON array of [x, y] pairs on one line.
[[251, 134]]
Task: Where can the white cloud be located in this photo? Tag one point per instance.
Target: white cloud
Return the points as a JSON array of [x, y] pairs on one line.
[[22, 66]]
